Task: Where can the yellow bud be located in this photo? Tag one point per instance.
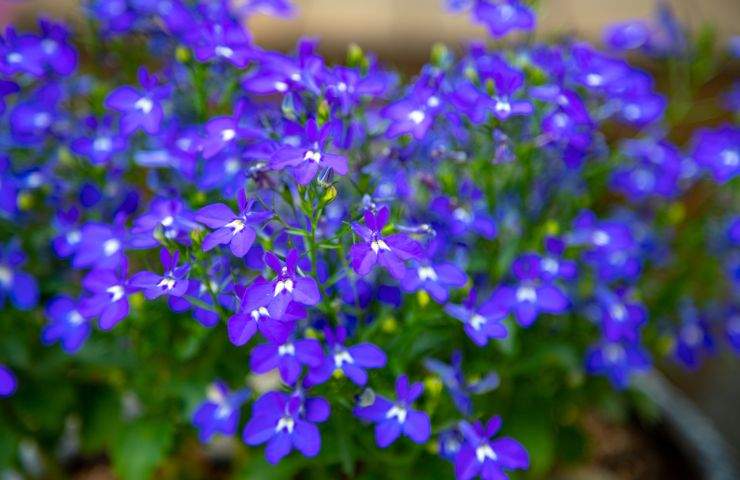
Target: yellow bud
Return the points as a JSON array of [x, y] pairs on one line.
[[665, 345], [182, 54], [65, 157], [25, 201], [329, 195], [312, 333], [432, 447], [676, 213], [552, 227], [389, 325], [433, 385], [136, 300], [338, 374], [423, 297]]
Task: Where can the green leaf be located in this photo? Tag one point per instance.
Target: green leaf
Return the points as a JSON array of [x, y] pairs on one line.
[[140, 447]]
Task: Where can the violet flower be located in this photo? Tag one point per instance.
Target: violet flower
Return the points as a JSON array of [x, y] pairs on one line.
[[351, 361], [693, 338], [17, 285], [235, 230], [287, 357], [719, 152], [102, 145], [66, 325], [286, 422], [288, 286], [167, 218], [621, 319], [389, 252], [219, 414], [482, 322], [109, 300], [8, 382], [487, 458], [100, 246], [305, 161], [174, 280], [226, 40], [618, 361], [395, 418], [140, 108], [435, 279], [460, 389]]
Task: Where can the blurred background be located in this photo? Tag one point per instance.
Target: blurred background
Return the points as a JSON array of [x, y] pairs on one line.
[[402, 32]]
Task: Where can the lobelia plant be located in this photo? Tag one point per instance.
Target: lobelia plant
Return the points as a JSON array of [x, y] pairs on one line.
[[544, 195]]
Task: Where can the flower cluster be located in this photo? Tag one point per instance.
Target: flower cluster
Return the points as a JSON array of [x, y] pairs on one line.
[[340, 225]]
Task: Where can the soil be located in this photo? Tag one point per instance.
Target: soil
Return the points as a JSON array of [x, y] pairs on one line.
[[629, 452]]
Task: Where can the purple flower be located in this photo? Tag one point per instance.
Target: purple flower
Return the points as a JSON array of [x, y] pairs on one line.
[[253, 315], [220, 412], [110, 291], [222, 40], [31, 121], [68, 233], [100, 146], [617, 361], [414, 114], [7, 88], [275, 8], [654, 168], [718, 151], [460, 389], [305, 161], [389, 252], [21, 54], [55, 49], [395, 418], [174, 280], [235, 230], [629, 35], [487, 458], [693, 338], [621, 319], [503, 16], [476, 101], [530, 296], [8, 383], [435, 279], [732, 329], [139, 108], [481, 323], [287, 357], [552, 265], [285, 422], [167, 218], [66, 325], [16, 284], [288, 286], [351, 361], [100, 246]]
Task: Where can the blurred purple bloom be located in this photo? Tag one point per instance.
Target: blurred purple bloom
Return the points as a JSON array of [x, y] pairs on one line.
[[395, 418], [66, 325], [285, 422], [110, 291], [219, 414], [460, 389], [718, 151], [8, 382], [490, 459], [618, 361], [621, 319], [481, 323], [435, 279], [140, 108], [100, 246], [17, 285], [286, 357]]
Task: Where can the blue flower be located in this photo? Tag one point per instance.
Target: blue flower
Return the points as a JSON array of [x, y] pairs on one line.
[[481, 456], [219, 414], [8, 382], [395, 418], [15, 283], [460, 389], [140, 108], [351, 361], [66, 325]]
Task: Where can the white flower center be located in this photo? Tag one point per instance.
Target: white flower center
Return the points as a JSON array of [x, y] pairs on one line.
[[730, 158], [41, 120], [286, 349], [550, 265], [312, 156], [433, 102], [74, 318], [73, 237], [398, 412], [594, 79], [236, 226], [281, 86], [6, 275], [223, 411], [618, 312], [232, 166], [14, 57], [168, 283], [477, 321], [379, 244], [223, 51], [283, 285], [102, 144], [259, 313], [111, 246], [503, 107], [167, 221], [613, 353], [228, 134], [285, 424], [341, 358], [600, 238], [417, 116], [484, 452], [116, 292], [526, 294], [144, 104], [506, 11], [427, 273], [692, 335], [49, 46]]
